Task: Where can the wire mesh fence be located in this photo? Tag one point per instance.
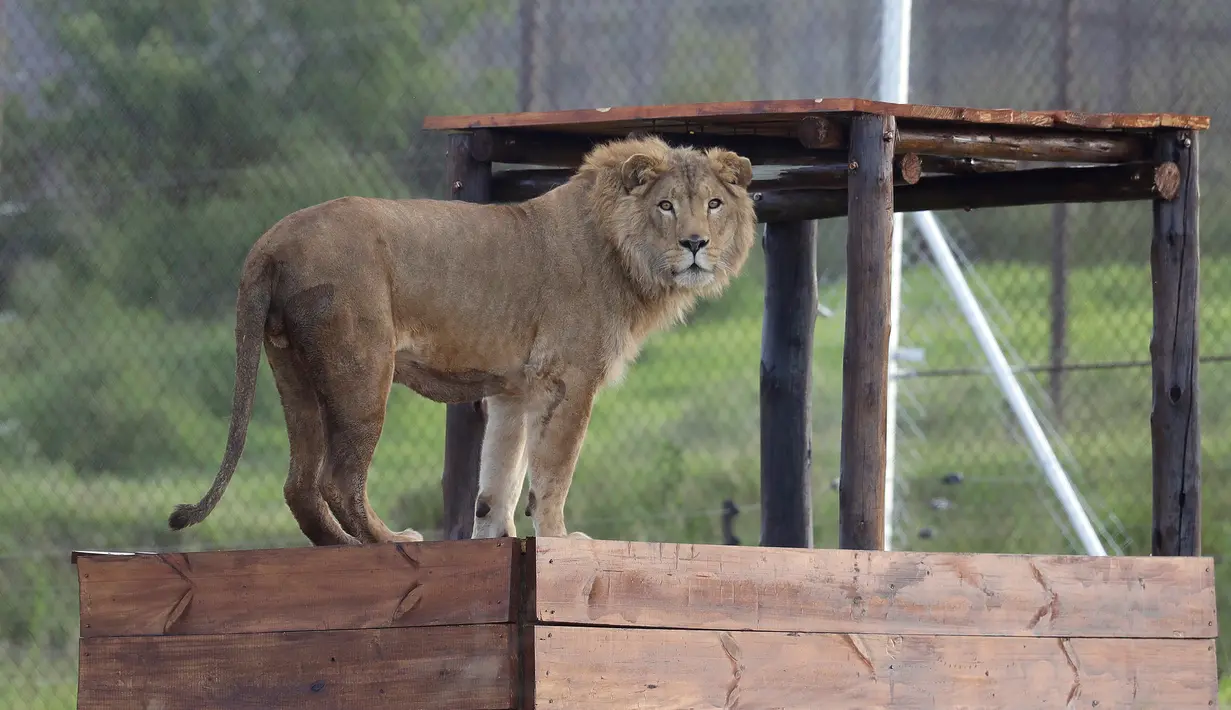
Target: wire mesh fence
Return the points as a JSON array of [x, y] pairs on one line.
[[145, 145]]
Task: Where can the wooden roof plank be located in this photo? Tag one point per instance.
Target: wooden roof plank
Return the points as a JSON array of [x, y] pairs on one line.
[[754, 112]]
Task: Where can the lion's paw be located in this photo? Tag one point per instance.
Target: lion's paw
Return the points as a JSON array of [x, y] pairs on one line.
[[408, 535]]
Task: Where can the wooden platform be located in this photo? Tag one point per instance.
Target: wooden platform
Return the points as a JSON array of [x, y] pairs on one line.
[[551, 623], [744, 116]]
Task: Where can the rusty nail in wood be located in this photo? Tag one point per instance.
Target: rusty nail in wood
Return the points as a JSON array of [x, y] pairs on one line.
[[1186, 142], [457, 185], [853, 165]]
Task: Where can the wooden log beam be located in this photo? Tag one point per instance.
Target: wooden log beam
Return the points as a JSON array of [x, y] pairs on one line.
[[469, 179], [811, 192], [1175, 417], [566, 150], [786, 384], [865, 355], [982, 141], [907, 170], [820, 140], [523, 184], [945, 165], [1105, 183]]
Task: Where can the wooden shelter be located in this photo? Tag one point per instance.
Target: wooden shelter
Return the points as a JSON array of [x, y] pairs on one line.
[[561, 623], [865, 160]]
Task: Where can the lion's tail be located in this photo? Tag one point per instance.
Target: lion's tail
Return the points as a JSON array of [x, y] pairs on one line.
[[251, 311]]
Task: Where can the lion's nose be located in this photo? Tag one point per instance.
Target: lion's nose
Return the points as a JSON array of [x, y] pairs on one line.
[[694, 243]]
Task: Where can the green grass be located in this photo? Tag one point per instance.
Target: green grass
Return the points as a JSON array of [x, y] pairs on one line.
[[667, 446]]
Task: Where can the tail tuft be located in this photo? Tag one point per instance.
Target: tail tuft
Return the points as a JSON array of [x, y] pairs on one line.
[[184, 515]]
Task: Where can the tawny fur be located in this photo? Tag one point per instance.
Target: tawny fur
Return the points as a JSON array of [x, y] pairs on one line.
[[532, 307]]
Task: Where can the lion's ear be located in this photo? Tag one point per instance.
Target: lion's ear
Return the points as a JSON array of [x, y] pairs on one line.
[[637, 169], [732, 168]]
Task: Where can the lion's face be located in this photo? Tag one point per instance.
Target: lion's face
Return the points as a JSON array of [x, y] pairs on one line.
[[686, 219]]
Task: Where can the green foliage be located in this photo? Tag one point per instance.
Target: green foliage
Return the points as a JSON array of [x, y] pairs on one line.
[[186, 129], [183, 131]]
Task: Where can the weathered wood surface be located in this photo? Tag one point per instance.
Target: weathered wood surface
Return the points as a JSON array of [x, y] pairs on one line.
[[469, 179], [731, 114], [246, 591], [658, 669], [441, 668], [845, 591], [1021, 144], [1040, 186], [865, 350], [786, 384], [1175, 415]]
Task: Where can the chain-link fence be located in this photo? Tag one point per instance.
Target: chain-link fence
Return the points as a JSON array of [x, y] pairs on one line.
[[146, 144]]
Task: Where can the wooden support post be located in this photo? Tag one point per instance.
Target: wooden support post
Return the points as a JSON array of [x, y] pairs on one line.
[[464, 428], [469, 180], [865, 357], [786, 384], [1175, 421]]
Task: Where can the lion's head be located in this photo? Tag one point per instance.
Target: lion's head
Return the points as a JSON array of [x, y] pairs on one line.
[[680, 218]]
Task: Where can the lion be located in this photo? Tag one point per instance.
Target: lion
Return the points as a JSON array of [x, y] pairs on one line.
[[530, 307]]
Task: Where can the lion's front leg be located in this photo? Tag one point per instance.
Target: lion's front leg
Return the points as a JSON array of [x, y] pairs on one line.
[[554, 450], [501, 468]]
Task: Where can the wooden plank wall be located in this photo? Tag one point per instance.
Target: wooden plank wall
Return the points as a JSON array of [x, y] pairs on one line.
[[560, 623], [427, 625], [650, 625]]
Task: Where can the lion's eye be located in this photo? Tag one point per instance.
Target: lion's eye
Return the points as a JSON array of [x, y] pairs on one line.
[[715, 203], [665, 206]]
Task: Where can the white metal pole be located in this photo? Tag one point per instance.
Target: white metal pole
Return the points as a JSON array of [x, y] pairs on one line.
[[893, 85], [934, 235]]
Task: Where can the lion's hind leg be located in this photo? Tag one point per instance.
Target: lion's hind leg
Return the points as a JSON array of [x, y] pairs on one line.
[[306, 433], [354, 382], [347, 349]]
